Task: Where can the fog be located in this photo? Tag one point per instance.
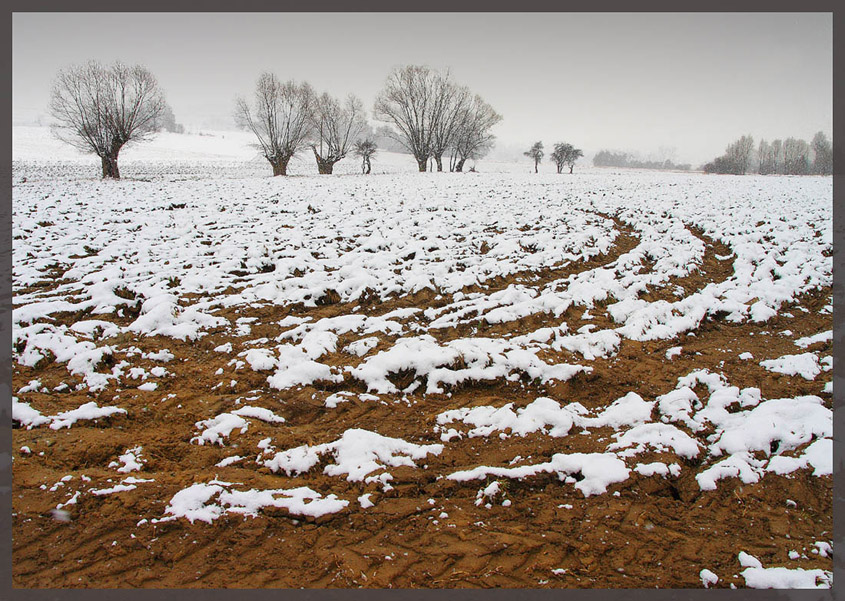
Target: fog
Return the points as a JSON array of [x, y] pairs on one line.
[[679, 86]]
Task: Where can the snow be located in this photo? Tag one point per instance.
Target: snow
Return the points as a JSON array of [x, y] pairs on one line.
[[805, 365], [599, 470], [195, 502], [543, 414], [814, 339], [708, 578], [756, 576], [129, 461], [87, 411], [289, 241], [357, 454]]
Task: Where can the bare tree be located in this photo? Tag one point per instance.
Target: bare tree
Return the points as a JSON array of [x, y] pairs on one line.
[[473, 138], [336, 127], [796, 157], [766, 158], [100, 109], [281, 119], [777, 156], [449, 110], [739, 154], [365, 149], [536, 153], [823, 161], [566, 154], [408, 102], [168, 121]]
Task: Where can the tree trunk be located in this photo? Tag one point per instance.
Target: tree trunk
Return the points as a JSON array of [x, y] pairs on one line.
[[110, 167], [559, 168], [535, 166], [369, 166], [438, 158], [571, 167], [280, 166], [422, 163], [324, 166], [459, 166]]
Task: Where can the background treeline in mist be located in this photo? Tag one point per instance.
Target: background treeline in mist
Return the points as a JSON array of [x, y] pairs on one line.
[[791, 156], [607, 158]]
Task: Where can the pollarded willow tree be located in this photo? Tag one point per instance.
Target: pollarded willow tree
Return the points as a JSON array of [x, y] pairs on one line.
[[102, 108], [407, 102], [281, 119], [450, 103], [473, 138], [433, 114], [336, 128]]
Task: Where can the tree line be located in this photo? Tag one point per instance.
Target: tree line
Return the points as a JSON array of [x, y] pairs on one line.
[[102, 108], [791, 156], [606, 158]]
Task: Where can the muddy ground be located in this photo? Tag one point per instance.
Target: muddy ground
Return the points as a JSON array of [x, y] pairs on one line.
[[428, 531]]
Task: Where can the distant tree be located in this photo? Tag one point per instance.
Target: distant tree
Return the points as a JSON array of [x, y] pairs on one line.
[[473, 138], [767, 159], [721, 164], [365, 149], [796, 157], [606, 158], [739, 154], [168, 121], [282, 119], [535, 153], [385, 138], [823, 161], [100, 109], [565, 154], [736, 160], [409, 101], [335, 129]]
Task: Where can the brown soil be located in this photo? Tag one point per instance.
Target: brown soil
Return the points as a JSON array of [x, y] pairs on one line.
[[644, 532]]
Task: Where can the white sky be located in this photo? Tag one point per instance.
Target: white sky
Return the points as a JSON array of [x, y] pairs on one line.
[[625, 81]]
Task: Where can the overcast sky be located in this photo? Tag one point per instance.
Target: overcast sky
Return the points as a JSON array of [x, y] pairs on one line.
[[636, 82]]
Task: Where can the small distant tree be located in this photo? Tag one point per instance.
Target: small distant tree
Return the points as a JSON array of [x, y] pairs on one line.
[[281, 119], [739, 154], [796, 157], [100, 109], [823, 161], [335, 129], [535, 153], [168, 121], [766, 158], [365, 149], [565, 154]]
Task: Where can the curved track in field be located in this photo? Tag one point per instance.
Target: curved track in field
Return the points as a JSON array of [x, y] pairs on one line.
[[427, 531]]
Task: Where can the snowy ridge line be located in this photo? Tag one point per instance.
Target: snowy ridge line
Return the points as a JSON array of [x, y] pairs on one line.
[[30, 418], [776, 427], [344, 254], [197, 502], [357, 454]]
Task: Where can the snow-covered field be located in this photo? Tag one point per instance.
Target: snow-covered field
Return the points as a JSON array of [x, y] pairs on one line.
[[315, 347]]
